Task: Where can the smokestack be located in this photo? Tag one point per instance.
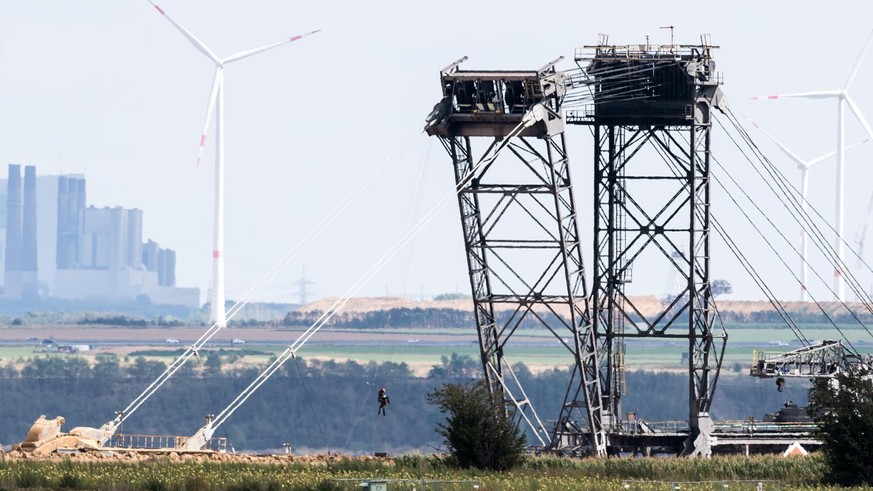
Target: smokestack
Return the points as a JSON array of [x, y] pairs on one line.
[[13, 220]]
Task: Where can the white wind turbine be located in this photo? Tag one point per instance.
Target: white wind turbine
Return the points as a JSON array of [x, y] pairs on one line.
[[843, 99], [216, 103], [804, 167]]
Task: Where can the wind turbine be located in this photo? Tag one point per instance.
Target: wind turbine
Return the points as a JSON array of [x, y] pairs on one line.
[[804, 167], [843, 99], [216, 103]]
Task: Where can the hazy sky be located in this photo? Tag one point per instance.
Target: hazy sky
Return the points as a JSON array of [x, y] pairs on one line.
[[110, 90]]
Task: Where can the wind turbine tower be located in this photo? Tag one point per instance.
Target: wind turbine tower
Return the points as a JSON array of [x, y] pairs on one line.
[[843, 100], [804, 167], [216, 103]]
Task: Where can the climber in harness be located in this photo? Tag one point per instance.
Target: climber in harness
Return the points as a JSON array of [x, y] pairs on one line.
[[383, 401]]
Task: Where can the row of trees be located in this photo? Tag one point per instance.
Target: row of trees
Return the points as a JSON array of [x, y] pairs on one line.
[[145, 314], [447, 318], [332, 405], [313, 403]]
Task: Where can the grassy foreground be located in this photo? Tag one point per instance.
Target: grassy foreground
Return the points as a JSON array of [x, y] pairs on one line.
[[296, 473]]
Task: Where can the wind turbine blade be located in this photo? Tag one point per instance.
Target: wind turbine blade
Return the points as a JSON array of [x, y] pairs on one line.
[[254, 51], [196, 42], [210, 108], [821, 94], [830, 155], [858, 63], [859, 116], [822, 158], [793, 156]]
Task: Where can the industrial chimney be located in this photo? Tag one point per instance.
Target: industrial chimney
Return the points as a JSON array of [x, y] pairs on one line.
[[13, 232]]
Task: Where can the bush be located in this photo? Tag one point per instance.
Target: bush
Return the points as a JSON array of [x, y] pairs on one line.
[[477, 431], [844, 413]]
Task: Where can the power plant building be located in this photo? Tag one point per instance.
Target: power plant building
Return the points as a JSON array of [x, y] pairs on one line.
[[20, 271], [54, 245]]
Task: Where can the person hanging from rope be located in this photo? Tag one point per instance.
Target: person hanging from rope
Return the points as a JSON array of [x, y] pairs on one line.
[[383, 401]]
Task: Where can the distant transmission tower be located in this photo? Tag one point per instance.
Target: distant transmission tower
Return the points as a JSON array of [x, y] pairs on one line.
[[301, 287]]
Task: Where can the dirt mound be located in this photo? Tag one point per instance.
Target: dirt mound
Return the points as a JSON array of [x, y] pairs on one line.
[[647, 305]]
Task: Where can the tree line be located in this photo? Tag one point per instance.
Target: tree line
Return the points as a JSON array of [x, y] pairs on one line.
[[446, 318], [318, 404]]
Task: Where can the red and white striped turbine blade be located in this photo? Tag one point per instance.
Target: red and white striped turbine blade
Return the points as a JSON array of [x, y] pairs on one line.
[[190, 37], [210, 108], [254, 51], [832, 154], [821, 94], [793, 156]]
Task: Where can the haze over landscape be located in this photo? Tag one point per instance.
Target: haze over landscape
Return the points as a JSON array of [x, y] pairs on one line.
[[683, 329], [111, 91]]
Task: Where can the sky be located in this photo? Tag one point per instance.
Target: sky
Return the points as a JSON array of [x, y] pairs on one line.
[[110, 90]]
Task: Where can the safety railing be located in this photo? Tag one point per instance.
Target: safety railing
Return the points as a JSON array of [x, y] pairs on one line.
[[162, 442]]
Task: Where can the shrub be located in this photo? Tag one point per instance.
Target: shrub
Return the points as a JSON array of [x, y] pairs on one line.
[[843, 409], [477, 431]]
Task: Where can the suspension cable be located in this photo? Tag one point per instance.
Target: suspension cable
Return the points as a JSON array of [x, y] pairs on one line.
[[818, 237], [269, 276], [744, 261], [537, 113], [311, 407], [786, 189]]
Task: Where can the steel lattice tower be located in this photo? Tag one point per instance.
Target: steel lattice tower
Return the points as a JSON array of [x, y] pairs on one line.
[[520, 232], [651, 121]]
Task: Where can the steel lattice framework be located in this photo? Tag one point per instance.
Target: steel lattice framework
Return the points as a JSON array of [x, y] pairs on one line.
[[651, 124], [821, 360], [520, 232]]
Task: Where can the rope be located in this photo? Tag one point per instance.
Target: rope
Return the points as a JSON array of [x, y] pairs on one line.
[[275, 270], [744, 262], [817, 236], [363, 400], [212, 403], [773, 249], [537, 113], [417, 197], [311, 407]]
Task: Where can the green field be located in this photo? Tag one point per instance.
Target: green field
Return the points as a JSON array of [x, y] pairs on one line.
[[12, 353], [541, 349]]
